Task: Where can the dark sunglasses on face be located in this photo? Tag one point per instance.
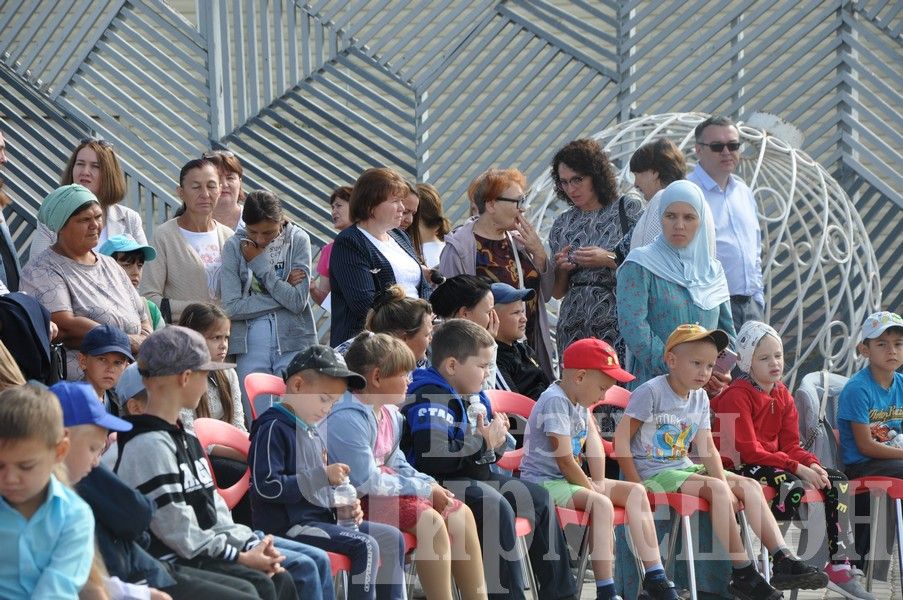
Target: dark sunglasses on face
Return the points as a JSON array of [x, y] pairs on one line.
[[718, 147], [99, 141]]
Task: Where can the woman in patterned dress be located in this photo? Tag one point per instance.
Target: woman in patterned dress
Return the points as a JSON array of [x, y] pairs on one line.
[[500, 245], [583, 241]]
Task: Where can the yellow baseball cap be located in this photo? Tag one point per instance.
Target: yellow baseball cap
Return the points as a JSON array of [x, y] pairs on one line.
[[693, 333]]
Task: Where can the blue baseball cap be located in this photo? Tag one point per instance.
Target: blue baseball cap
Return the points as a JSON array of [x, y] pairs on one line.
[[130, 384], [503, 293], [126, 243], [106, 338], [82, 407]]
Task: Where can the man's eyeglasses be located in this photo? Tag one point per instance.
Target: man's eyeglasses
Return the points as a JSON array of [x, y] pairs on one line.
[[719, 147], [99, 141], [573, 181], [518, 201]]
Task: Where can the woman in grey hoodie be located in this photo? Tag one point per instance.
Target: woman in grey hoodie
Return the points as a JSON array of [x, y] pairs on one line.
[[265, 283]]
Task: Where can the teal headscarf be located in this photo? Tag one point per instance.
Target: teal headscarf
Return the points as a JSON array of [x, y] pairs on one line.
[[693, 266], [59, 205]]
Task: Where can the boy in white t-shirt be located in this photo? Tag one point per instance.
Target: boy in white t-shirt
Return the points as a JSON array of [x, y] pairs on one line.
[[559, 426], [663, 417]]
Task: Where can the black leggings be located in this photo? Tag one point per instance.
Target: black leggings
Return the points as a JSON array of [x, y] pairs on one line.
[[786, 504]]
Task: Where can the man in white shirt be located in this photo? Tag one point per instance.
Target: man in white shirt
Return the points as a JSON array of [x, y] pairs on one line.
[[737, 234]]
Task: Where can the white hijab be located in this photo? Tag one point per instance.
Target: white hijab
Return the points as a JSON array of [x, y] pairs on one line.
[[693, 267]]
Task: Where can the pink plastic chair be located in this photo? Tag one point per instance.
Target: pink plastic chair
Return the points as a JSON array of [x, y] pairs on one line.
[[258, 384], [214, 431]]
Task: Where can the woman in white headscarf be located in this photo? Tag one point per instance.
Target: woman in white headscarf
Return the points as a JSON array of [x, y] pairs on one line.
[[676, 279]]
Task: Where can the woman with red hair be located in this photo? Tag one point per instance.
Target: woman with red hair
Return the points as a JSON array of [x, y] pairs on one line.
[[500, 245]]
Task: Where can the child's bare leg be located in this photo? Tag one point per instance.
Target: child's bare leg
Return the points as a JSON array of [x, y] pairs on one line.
[[632, 497], [759, 514], [601, 530], [721, 510], [433, 564], [467, 557]]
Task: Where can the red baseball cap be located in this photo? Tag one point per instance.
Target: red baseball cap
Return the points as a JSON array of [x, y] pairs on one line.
[[593, 353]]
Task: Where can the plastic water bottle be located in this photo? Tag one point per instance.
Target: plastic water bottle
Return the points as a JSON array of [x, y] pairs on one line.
[[474, 409], [345, 498]]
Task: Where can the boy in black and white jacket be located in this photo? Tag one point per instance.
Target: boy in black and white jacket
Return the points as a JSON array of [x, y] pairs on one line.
[[192, 524]]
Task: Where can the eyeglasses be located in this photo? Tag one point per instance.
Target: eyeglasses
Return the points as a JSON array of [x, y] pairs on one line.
[[718, 147], [573, 181], [99, 141], [518, 201], [215, 153]]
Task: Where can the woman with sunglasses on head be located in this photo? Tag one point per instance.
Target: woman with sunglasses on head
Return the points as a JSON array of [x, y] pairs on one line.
[[231, 194], [501, 245], [189, 246], [266, 289], [583, 241], [94, 165]]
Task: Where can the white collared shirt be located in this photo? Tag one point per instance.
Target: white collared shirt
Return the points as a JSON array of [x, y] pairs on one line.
[[738, 237]]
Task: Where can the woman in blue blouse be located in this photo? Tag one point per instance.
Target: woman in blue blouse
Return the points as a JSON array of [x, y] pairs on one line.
[[673, 280]]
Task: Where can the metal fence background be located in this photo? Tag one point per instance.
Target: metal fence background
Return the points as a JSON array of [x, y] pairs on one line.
[[311, 93]]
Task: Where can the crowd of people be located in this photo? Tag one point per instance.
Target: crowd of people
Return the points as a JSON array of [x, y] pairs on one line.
[[110, 494]]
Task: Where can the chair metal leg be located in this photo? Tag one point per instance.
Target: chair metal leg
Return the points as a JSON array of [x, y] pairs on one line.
[[875, 517], [641, 569], [672, 545], [766, 563], [582, 559], [410, 570], [746, 537], [340, 581], [528, 568], [691, 566]]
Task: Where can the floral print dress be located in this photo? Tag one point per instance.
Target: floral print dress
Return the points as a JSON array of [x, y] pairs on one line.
[[589, 309]]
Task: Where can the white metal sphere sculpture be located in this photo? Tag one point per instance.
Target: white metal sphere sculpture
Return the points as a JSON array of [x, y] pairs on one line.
[[820, 272]]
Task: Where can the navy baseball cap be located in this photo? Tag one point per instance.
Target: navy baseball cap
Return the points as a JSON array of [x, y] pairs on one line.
[[82, 407], [126, 243], [106, 338], [503, 293]]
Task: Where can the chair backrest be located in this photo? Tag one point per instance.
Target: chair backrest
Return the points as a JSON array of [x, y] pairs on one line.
[[511, 403], [516, 404], [214, 431], [609, 410], [258, 384], [816, 404], [616, 396]]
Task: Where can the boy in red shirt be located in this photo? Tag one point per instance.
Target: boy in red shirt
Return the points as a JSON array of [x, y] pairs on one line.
[[757, 434]]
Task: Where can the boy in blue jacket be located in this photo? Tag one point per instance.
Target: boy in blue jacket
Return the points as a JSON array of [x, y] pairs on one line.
[[439, 441], [291, 493]]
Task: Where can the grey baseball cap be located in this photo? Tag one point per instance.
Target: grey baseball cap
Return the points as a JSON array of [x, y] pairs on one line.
[[174, 349]]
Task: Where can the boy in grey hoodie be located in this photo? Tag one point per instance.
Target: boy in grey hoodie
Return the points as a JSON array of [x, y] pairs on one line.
[[192, 524]]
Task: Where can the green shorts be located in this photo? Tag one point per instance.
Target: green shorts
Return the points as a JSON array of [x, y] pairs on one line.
[[670, 480], [561, 491]]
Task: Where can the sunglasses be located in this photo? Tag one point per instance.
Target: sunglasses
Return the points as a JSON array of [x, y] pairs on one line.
[[518, 201], [99, 141], [718, 147], [216, 153]]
